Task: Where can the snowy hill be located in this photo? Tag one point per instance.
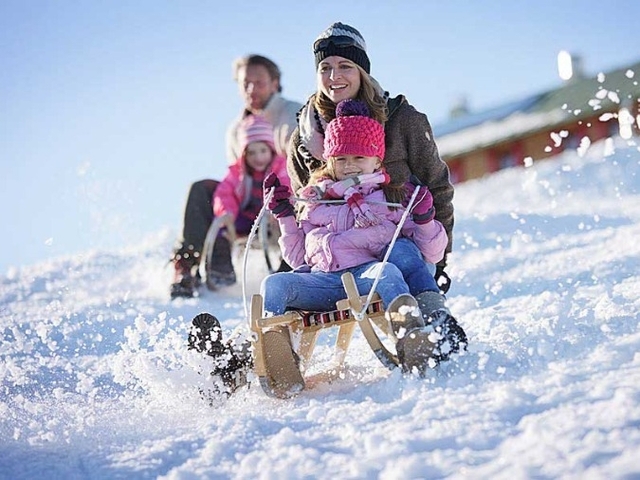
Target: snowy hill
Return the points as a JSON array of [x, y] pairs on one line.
[[96, 381]]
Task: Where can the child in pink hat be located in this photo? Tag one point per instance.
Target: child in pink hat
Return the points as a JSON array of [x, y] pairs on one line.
[[350, 214], [238, 196]]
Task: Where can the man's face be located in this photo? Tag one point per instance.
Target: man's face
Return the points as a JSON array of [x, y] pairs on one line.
[[256, 86]]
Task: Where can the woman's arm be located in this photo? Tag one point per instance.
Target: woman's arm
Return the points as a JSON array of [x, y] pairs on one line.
[[411, 149]]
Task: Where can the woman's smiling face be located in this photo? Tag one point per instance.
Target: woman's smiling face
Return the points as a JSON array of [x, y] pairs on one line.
[[338, 78]]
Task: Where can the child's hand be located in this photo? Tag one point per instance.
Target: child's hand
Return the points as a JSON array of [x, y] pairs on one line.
[[423, 209], [279, 204]]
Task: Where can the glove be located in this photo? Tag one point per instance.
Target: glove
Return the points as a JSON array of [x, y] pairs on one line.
[[442, 279], [423, 209], [279, 204]]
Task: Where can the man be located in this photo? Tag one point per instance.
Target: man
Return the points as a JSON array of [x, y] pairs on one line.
[[258, 80]]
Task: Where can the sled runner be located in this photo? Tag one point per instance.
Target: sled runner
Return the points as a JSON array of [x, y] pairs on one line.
[[266, 240]]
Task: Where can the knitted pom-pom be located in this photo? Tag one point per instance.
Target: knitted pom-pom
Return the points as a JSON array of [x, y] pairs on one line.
[[352, 108]]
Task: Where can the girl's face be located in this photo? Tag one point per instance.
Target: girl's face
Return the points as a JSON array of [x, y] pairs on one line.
[[352, 165], [338, 78], [258, 156]]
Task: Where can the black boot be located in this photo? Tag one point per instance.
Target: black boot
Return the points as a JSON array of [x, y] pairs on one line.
[[229, 366], [220, 272], [205, 335], [451, 337], [186, 279]]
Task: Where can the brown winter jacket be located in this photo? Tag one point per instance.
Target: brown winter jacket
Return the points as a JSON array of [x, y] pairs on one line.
[[410, 148]]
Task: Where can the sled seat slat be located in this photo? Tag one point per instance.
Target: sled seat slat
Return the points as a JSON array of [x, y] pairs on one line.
[[310, 320]]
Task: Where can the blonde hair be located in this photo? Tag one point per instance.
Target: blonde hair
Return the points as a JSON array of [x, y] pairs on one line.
[[368, 93], [326, 170]]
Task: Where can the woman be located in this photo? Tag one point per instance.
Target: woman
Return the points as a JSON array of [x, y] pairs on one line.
[[343, 72]]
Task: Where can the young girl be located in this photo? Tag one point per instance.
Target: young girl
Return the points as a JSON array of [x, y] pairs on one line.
[[329, 238], [239, 196]]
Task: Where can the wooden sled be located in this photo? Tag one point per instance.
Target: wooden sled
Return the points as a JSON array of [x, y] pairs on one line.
[[283, 377], [265, 240]]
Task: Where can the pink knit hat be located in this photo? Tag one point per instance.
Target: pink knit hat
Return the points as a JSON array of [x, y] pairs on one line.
[[255, 128], [354, 132]]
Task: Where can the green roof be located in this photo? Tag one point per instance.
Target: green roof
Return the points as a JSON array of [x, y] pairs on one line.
[[605, 91]]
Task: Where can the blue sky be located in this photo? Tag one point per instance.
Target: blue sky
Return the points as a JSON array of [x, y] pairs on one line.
[[110, 109]]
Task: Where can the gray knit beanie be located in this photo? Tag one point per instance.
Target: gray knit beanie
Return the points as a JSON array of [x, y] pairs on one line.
[[343, 41]]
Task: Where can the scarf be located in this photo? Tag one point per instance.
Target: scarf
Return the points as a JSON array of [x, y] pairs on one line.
[[310, 136], [328, 189]]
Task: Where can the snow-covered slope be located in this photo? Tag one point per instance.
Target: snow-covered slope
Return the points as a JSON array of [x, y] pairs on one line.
[[96, 381]]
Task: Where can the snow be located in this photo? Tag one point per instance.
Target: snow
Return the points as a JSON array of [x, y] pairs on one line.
[[96, 381]]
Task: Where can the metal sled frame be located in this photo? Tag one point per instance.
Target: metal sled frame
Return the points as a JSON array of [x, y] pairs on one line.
[[266, 239], [307, 325]]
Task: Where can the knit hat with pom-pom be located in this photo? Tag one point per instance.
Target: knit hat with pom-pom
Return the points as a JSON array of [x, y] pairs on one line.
[[354, 132], [255, 128]]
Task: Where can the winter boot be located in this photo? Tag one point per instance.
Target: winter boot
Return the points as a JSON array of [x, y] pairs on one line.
[[205, 335], [282, 364], [186, 279], [448, 334], [229, 366], [413, 344], [220, 271]]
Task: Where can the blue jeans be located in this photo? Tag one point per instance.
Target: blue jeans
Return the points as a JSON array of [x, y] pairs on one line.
[[405, 272], [417, 273], [319, 291]]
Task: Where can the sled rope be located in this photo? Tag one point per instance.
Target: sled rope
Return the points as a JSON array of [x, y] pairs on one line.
[[252, 234], [341, 201]]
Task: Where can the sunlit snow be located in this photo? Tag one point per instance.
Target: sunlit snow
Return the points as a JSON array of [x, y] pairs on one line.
[[96, 380]]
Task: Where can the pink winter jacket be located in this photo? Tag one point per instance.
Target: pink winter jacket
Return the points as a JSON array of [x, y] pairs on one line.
[[234, 191], [327, 240]]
